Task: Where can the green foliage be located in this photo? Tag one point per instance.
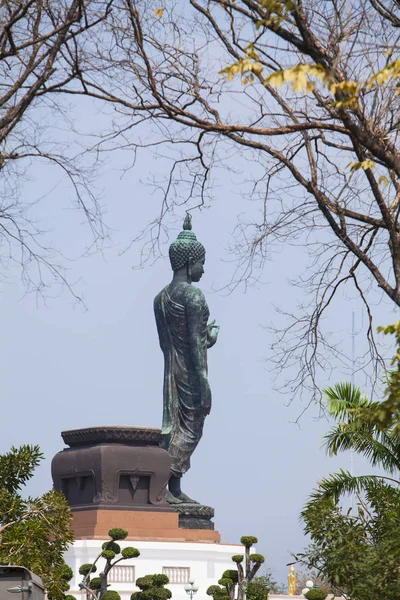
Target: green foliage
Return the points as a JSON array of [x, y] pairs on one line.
[[268, 583], [108, 554], [87, 568], [237, 558], [144, 583], [357, 551], [160, 579], [316, 594], [225, 581], [152, 588], [257, 558], [217, 592], [95, 583], [69, 597], [117, 533], [35, 532], [131, 552], [230, 574], [213, 589], [111, 595], [248, 541], [256, 590], [112, 546]]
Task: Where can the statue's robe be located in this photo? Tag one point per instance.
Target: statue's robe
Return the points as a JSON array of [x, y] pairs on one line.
[[183, 415]]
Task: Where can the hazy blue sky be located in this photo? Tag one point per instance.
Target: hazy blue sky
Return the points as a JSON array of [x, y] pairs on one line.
[[63, 367]]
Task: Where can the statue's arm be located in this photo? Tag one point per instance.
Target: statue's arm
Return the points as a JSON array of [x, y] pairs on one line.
[[159, 323], [195, 306]]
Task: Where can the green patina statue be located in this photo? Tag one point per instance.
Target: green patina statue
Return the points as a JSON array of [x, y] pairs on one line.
[[182, 314]]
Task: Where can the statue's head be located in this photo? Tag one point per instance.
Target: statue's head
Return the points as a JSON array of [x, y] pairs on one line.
[[187, 252]]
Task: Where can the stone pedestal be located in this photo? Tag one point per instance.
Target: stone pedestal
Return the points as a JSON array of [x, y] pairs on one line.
[[117, 477]]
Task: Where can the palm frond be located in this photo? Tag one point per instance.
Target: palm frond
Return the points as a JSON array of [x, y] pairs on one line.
[[343, 399], [380, 450], [344, 482]]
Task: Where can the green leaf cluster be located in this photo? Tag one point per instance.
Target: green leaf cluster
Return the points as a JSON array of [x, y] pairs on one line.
[[152, 588], [248, 540], [316, 594], [357, 551], [35, 532]]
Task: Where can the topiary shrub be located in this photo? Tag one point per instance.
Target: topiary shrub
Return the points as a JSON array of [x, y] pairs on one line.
[[216, 592], [95, 583], [117, 533], [316, 594], [131, 552], [257, 558], [111, 595], [256, 590], [248, 540], [237, 558], [160, 579], [152, 588], [112, 546], [231, 575], [66, 572], [144, 582], [87, 568], [108, 554], [225, 581]]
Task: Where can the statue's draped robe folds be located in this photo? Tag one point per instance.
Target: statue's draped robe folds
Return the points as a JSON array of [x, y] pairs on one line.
[[183, 416]]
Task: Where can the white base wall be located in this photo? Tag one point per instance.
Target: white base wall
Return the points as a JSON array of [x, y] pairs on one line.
[[206, 562]]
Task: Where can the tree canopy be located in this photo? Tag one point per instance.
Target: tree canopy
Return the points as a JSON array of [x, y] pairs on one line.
[[356, 550], [303, 96], [34, 532]]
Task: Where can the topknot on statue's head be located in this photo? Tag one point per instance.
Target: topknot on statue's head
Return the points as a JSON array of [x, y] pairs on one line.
[[185, 247]]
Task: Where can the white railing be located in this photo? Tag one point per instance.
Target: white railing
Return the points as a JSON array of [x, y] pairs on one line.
[[122, 574], [177, 574]]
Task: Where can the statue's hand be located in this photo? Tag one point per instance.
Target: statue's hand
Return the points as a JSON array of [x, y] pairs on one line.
[[212, 333]]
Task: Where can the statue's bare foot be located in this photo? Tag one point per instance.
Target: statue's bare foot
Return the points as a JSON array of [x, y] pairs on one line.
[[171, 499], [185, 499]]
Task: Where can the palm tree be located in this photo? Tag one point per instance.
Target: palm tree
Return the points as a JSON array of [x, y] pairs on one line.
[[381, 447]]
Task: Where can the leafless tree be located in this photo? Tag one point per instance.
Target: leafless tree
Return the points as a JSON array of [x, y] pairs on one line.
[[159, 63], [33, 35]]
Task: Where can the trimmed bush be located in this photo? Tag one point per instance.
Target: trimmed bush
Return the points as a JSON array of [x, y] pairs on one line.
[[130, 552], [231, 574], [108, 554], [144, 582], [87, 568], [112, 546], [218, 593], [66, 572], [111, 595], [316, 594], [237, 558], [225, 581], [248, 540], [160, 579], [213, 589], [95, 583], [117, 533], [257, 558]]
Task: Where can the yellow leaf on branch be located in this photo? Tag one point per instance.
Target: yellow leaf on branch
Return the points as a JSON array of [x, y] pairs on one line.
[[365, 164], [159, 13]]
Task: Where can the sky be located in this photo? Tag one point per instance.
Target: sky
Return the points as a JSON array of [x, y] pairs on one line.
[[64, 366]]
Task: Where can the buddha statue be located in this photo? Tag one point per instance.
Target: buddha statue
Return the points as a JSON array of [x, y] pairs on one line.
[[292, 580], [182, 315]]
